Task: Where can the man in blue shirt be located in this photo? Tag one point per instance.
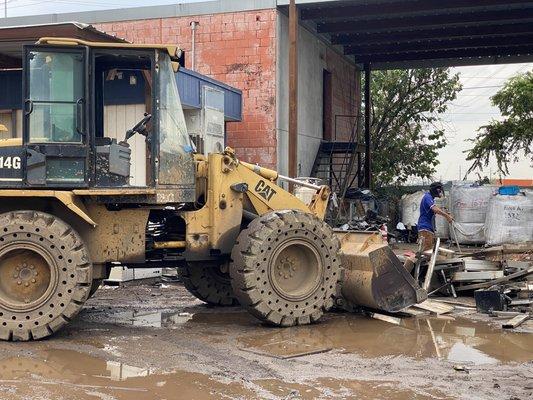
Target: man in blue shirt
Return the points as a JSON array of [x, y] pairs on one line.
[[428, 209]]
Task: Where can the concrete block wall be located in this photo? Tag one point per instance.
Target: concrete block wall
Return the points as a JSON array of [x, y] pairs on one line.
[[249, 50], [235, 48]]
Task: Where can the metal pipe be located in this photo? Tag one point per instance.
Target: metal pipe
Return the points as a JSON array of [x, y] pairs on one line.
[[194, 24], [273, 175], [177, 244], [298, 182]]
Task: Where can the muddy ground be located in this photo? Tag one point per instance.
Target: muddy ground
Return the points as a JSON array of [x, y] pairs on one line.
[[157, 342]]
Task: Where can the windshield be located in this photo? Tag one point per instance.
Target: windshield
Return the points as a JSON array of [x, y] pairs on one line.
[[175, 147]]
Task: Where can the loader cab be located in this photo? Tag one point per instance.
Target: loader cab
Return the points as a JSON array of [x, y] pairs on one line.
[[74, 139]]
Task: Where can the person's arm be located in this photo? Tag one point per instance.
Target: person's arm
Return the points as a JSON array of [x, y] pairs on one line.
[[437, 210]]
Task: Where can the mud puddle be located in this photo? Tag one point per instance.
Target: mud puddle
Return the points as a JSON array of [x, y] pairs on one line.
[[67, 374], [172, 319], [447, 338], [454, 340]]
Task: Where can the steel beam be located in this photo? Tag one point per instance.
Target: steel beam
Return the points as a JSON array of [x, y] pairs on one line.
[[452, 62], [337, 10], [469, 43], [420, 35], [416, 21], [505, 51], [293, 90]]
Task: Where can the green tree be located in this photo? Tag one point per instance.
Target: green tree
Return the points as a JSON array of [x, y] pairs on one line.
[[511, 138], [405, 112]]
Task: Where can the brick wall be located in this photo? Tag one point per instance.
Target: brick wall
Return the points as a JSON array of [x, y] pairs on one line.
[[234, 48]]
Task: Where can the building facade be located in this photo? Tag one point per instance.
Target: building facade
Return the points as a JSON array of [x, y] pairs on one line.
[[249, 50], [245, 44]]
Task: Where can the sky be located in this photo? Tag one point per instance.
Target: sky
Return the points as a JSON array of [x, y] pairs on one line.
[[465, 115], [468, 112], [16, 8]]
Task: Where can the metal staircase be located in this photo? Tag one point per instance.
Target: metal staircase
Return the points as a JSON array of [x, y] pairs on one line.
[[339, 163]]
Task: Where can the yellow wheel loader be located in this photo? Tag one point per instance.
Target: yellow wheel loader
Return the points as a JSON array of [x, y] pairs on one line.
[[68, 209]]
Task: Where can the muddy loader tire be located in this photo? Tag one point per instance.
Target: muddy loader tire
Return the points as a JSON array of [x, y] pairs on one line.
[[45, 275], [285, 268], [208, 283]]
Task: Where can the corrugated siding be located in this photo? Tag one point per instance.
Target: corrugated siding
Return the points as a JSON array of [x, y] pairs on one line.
[[189, 89], [190, 86]]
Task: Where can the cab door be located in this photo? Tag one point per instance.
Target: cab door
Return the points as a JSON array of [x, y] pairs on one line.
[[55, 116]]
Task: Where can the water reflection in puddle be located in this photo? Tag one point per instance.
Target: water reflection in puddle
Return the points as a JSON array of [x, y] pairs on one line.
[[452, 339], [66, 374], [456, 340]]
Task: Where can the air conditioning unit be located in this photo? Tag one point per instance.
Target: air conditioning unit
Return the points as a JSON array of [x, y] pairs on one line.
[[206, 126]]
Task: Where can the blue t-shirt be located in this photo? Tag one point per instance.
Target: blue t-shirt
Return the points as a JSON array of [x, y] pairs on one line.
[[425, 221]]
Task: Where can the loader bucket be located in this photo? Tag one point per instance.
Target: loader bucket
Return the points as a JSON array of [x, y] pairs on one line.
[[373, 276]]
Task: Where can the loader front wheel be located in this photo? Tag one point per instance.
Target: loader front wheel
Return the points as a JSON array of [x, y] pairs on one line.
[[286, 270], [45, 275], [209, 283]]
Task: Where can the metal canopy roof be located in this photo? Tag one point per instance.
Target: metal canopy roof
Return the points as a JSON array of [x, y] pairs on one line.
[[425, 33]]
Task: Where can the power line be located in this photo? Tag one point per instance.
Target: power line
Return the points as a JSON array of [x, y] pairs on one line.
[[482, 87], [84, 2]]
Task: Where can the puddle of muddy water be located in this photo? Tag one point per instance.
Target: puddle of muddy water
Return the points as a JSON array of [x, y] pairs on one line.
[[67, 374], [342, 389], [456, 340], [171, 319], [448, 338]]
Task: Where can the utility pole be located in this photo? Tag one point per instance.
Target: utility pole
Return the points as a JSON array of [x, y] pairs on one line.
[[5, 8], [293, 90]]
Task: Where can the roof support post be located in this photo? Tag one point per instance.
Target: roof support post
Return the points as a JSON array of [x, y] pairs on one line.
[[358, 87], [368, 156], [293, 90]]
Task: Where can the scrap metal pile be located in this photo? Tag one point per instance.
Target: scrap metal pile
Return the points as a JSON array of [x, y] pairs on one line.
[[500, 278]]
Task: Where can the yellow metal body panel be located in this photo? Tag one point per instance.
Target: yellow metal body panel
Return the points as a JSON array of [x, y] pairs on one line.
[[11, 142], [230, 187], [173, 51], [68, 198], [126, 191], [118, 236]]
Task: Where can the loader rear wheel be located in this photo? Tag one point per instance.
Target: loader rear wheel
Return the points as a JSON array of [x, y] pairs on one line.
[[208, 283], [45, 275], [285, 269]]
